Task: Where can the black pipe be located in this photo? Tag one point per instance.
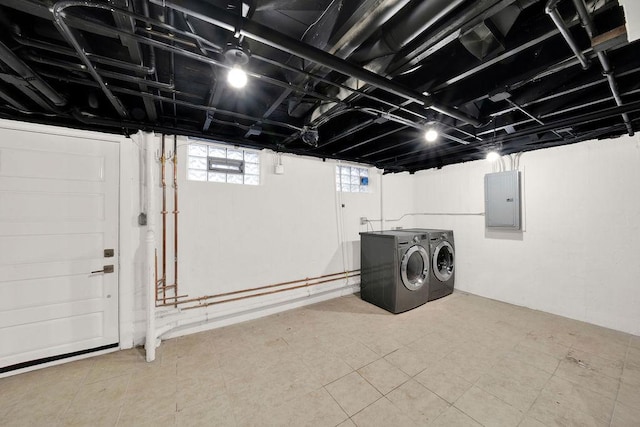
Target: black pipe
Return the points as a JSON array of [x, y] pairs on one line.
[[551, 10], [8, 57], [604, 61], [226, 20]]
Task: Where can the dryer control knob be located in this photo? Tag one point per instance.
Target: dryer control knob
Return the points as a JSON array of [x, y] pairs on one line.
[[416, 239]]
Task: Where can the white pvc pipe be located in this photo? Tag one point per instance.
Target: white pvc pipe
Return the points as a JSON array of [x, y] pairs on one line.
[[150, 339]]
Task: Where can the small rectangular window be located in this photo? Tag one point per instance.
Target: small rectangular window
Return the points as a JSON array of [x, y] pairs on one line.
[[352, 179], [215, 163]]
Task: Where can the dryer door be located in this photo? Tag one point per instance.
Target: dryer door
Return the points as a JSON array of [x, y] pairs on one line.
[[414, 268], [443, 261]]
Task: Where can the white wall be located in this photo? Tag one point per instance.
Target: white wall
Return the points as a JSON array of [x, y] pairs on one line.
[[578, 253], [290, 227]]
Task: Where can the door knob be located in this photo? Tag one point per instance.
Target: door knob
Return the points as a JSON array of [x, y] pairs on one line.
[[105, 269]]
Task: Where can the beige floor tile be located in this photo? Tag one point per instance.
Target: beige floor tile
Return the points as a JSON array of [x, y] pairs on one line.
[[356, 355], [552, 413], [346, 423], [629, 394], [383, 375], [317, 408], [625, 416], [275, 368], [509, 389], [418, 403], [326, 367], [631, 372], [109, 393], [382, 413], [353, 393], [447, 385], [488, 409], [531, 422], [531, 356], [407, 360], [562, 402], [216, 411], [453, 417], [584, 375]]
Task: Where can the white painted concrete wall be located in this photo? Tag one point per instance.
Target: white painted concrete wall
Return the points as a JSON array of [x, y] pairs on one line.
[[576, 257], [578, 254], [290, 227]]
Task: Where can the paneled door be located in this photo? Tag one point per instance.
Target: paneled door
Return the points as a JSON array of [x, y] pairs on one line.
[[58, 246]]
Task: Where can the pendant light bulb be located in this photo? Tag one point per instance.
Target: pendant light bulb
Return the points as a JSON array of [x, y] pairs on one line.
[[431, 135], [237, 77], [492, 156]]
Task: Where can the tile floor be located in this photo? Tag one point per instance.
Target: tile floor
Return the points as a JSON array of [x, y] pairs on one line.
[[459, 361]]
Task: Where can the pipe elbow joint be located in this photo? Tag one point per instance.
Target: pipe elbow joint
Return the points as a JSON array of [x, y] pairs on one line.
[[551, 6]]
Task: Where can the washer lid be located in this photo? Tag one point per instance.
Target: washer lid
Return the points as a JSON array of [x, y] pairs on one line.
[[414, 268], [443, 261]]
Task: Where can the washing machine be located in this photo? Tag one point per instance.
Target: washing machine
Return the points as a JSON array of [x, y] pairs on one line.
[[442, 251], [394, 269]]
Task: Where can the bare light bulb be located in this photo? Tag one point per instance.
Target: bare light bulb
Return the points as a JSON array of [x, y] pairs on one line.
[[431, 135], [237, 77], [492, 156]]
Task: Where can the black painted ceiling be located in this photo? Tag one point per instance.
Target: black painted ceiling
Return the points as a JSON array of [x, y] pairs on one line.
[[355, 80]]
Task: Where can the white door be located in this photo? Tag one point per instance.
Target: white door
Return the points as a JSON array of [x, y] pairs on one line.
[[58, 214]]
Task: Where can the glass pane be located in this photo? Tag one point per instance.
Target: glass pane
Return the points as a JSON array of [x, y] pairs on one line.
[[194, 175], [337, 186], [355, 180], [218, 152], [355, 188], [251, 169], [355, 172], [234, 154], [364, 189], [364, 172], [217, 177], [251, 157], [346, 188], [234, 179], [415, 267], [198, 163], [345, 170], [197, 150], [346, 179], [251, 179]]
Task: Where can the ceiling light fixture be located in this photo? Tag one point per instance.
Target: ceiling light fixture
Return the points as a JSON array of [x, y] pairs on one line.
[[237, 77], [237, 55], [493, 155], [431, 135]]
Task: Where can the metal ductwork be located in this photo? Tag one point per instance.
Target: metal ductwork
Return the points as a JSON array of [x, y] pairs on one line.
[[406, 28]]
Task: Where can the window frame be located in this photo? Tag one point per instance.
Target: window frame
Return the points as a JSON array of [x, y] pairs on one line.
[[354, 171], [238, 166]]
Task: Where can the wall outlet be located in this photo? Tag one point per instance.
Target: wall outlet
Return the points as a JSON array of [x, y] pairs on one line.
[[363, 220]]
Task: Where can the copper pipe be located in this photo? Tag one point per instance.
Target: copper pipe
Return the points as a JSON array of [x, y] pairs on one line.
[[199, 299], [163, 161], [263, 293], [175, 212]]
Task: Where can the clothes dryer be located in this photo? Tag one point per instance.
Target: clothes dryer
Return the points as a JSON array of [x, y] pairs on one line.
[[395, 269]]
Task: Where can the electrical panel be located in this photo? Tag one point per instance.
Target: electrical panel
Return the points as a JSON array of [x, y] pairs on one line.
[[502, 200]]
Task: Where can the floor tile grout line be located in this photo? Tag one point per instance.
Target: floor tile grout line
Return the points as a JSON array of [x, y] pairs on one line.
[[615, 401]]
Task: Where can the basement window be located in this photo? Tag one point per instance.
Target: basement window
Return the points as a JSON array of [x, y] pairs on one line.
[[351, 179], [215, 163]]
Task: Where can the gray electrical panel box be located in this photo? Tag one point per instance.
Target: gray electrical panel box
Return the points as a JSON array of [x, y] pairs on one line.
[[502, 200]]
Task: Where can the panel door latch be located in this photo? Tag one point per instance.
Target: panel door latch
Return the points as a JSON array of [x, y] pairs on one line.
[[105, 269], [108, 253]]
